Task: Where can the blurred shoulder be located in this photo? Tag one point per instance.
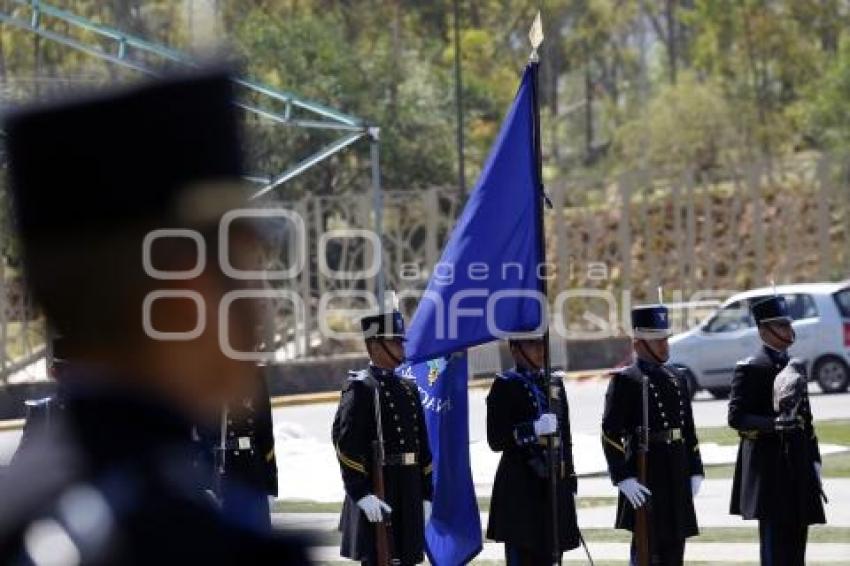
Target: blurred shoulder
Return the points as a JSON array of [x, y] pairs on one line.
[[357, 381], [626, 376], [757, 360], [504, 383]]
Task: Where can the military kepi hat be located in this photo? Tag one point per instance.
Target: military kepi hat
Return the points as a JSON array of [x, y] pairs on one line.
[[651, 322], [770, 309], [92, 164], [387, 325]]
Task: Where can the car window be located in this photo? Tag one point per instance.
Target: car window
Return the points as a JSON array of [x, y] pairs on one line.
[[842, 299], [732, 317], [801, 306]]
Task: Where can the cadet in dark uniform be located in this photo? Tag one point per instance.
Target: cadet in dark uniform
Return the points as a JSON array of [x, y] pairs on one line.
[[519, 418], [115, 481], [408, 470], [777, 474], [674, 465], [245, 467], [250, 466]]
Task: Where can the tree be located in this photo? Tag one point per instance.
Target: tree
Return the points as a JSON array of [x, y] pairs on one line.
[[688, 124], [828, 114]]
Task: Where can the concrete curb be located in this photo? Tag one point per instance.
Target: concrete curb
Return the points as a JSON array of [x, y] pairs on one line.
[[12, 424]]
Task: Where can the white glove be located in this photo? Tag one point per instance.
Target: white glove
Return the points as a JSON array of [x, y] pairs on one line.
[[696, 483], [634, 491], [546, 424], [426, 512], [374, 508]]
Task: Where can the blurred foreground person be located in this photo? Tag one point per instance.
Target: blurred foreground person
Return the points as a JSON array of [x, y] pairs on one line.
[[382, 446], [115, 481], [777, 473], [519, 422], [650, 442]]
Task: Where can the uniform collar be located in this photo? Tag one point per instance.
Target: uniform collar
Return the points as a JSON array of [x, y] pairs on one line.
[[525, 374], [778, 358], [381, 373], [651, 369]]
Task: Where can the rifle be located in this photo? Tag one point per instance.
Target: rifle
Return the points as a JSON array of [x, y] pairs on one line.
[[555, 460], [384, 550], [642, 513], [221, 457]]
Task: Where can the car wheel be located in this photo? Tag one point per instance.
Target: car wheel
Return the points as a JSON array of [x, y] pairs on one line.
[[720, 392], [832, 374]]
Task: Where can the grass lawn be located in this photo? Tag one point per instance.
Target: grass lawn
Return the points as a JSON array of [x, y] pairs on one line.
[[836, 431], [293, 506]]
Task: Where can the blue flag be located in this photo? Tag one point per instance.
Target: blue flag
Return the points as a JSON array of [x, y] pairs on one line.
[[453, 535], [486, 284]]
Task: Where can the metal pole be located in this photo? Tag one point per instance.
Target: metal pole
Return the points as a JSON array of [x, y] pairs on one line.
[[378, 210], [553, 447], [459, 103]]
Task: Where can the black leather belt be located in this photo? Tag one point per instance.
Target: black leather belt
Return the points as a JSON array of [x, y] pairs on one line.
[[544, 440], [403, 459], [756, 434], [667, 435], [241, 443]]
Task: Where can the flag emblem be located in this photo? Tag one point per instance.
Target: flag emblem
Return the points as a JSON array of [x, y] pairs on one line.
[[435, 368]]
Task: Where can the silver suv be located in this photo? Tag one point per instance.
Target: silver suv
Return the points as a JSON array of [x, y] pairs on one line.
[[821, 312]]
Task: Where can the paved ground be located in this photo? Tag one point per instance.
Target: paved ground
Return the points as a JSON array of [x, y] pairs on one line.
[[586, 402], [310, 426]]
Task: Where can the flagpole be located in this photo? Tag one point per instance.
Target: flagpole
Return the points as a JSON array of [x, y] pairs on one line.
[[536, 37]]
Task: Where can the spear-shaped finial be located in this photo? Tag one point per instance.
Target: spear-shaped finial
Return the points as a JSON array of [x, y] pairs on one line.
[[535, 36], [390, 300]]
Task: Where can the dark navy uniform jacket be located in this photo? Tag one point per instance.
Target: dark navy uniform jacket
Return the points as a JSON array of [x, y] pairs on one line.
[[774, 472], [250, 466], [520, 505], [673, 450], [408, 474]]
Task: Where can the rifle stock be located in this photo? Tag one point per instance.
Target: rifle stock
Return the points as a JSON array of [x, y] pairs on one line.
[[383, 530], [642, 513]]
